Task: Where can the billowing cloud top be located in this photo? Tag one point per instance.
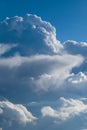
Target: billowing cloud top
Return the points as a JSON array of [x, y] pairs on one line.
[[31, 34], [17, 112], [43, 81]]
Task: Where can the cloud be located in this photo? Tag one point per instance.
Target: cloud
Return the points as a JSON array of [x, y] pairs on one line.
[[62, 69], [6, 47], [35, 73], [48, 111], [78, 78], [74, 47], [11, 113], [47, 68], [77, 84], [36, 68], [70, 108], [31, 33]]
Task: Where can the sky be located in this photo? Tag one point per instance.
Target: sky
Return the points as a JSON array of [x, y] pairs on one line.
[[69, 17], [43, 65]]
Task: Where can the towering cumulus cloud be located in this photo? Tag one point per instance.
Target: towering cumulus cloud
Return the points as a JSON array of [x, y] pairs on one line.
[[42, 81], [31, 34]]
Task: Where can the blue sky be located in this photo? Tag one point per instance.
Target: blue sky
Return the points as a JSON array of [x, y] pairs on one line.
[[68, 16]]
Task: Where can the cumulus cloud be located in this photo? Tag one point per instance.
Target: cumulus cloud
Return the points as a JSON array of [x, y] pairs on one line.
[[11, 113], [78, 78], [35, 60], [32, 33], [69, 109], [36, 67], [76, 84], [74, 47]]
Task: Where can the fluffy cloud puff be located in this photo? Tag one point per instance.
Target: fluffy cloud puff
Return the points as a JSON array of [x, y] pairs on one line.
[[31, 33], [14, 113], [74, 47], [69, 108], [68, 113], [79, 78]]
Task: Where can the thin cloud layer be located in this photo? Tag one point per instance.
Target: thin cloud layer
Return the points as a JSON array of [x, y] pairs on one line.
[[6, 47], [36, 67]]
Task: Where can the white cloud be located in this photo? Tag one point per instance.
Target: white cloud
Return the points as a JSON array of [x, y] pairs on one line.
[[48, 111], [39, 72], [74, 47], [31, 33], [70, 108], [33, 60], [15, 113], [39, 62], [78, 78], [78, 84], [6, 47]]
